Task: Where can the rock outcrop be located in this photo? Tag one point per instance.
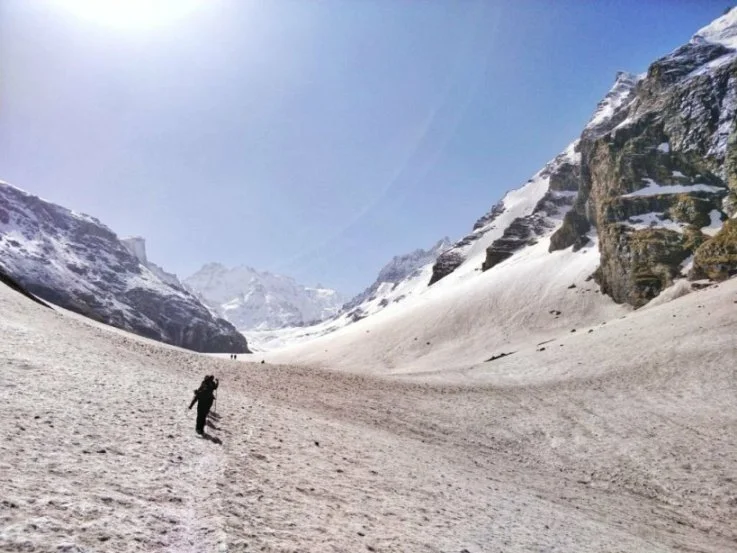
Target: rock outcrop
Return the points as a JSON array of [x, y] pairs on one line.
[[76, 262], [659, 175]]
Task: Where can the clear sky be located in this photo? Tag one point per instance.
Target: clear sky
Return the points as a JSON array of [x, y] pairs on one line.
[[311, 138]]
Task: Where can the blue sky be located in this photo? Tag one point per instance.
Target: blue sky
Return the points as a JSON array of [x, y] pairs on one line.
[[314, 139]]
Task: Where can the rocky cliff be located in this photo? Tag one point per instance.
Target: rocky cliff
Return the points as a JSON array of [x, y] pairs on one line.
[[658, 173], [653, 177], [76, 262]]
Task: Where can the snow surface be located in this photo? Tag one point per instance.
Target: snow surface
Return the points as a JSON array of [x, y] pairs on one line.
[[722, 30], [664, 147], [260, 300], [485, 310], [655, 189], [715, 225], [618, 437], [617, 98], [655, 220]]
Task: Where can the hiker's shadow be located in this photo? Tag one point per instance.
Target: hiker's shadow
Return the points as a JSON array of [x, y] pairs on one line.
[[213, 439], [210, 425]]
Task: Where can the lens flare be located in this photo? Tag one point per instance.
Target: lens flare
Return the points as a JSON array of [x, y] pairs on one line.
[[131, 14]]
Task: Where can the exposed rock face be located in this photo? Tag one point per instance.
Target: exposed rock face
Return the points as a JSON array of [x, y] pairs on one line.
[[446, 263], [452, 258], [660, 174], [563, 176], [717, 258], [75, 261]]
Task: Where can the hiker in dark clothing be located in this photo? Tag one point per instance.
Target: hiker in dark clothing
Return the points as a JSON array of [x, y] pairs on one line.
[[203, 397]]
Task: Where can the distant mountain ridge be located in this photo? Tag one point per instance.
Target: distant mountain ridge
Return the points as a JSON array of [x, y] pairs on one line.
[[252, 299], [384, 290]]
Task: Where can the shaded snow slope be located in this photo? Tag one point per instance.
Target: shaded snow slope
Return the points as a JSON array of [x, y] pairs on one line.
[[622, 439], [73, 260], [252, 299]]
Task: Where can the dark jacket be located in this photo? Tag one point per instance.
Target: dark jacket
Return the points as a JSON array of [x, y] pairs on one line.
[[204, 394]]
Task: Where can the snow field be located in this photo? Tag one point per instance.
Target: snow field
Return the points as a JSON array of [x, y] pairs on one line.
[[616, 440]]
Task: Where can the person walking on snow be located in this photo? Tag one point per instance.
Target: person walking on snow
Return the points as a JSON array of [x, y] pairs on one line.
[[203, 397]]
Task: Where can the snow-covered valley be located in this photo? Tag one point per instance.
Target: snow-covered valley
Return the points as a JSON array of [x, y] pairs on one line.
[[560, 379], [620, 439]]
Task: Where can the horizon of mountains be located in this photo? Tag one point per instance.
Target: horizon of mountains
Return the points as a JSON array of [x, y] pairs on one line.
[[649, 189]]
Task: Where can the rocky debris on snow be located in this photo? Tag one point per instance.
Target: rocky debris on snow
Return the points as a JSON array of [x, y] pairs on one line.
[[498, 356]]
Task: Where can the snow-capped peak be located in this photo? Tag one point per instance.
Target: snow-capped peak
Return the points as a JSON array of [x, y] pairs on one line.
[[258, 299], [722, 30], [619, 96]]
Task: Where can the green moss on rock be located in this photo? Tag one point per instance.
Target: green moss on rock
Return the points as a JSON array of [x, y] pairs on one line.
[[690, 209], [717, 258], [636, 265]]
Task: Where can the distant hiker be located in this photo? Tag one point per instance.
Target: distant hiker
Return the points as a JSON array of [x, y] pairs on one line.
[[235, 356], [203, 397]]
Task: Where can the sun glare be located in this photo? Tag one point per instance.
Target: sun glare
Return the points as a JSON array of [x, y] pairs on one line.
[[130, 14]]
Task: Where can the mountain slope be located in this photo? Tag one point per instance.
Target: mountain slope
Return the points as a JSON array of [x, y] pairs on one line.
[[396, 280], [636, 203], [659, 180], [252, 299], [399, 279], [74, 261]]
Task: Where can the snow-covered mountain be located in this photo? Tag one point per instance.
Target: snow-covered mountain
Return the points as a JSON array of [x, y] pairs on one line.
[[394, 282], [642, 202], [74, 261], [252, 299]]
